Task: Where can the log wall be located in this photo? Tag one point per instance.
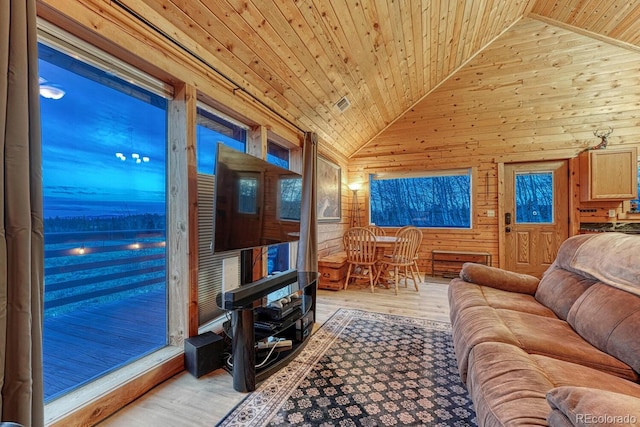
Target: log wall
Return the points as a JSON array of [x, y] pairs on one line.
[[537, 93]]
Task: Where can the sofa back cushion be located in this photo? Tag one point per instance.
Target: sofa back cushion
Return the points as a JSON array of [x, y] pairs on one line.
[[559, 289], [567, 253], [561, 284], [612, 258], [609, 319]]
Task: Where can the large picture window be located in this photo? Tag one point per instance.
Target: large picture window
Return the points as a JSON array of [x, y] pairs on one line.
[[104, 174], [441, 199], [212, 129]]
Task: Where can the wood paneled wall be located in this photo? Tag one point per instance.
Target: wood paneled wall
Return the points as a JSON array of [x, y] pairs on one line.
[[537, 93]]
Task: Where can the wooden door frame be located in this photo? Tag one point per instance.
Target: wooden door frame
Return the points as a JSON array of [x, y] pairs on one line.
[[572, 213]]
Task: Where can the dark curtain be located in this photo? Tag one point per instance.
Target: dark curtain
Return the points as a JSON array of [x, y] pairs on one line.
[[21, 225], [308, 246]]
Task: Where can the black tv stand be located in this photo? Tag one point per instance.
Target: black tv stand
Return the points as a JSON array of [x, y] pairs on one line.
[[243, 301]]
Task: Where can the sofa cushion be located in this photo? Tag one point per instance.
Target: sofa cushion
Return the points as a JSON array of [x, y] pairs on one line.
[[562, 373], [509, 386], [543, 335], [609, 318], [559, 289], [476, 325], [611, 258], [498, 278], [557, 419], [583, 406], [506, 387], [567, 251], [463, 295], [555, 338]]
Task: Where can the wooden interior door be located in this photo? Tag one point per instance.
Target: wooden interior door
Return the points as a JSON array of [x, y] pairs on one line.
[[536, 214]]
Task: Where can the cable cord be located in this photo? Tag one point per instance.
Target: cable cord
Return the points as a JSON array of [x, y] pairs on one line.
[[259, 365], [266, 359]]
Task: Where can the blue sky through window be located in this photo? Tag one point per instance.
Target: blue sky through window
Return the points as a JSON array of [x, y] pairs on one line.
[[82, 174], [212, 130]]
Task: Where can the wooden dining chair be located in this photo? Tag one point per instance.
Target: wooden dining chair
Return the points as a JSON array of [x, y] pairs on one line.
[[415, 270], [403, 257], [360, 246], [376, 230], [414, 267], [402, 229]]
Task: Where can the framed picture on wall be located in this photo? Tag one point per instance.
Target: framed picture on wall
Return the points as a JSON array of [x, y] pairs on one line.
[[329, 184]]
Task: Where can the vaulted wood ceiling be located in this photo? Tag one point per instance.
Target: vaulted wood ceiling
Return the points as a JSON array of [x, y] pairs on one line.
[[300, 57]]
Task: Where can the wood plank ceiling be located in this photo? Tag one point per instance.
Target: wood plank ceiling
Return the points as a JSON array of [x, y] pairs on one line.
[[300, 57]]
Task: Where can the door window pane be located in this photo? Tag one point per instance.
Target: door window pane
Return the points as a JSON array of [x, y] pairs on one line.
[[104, 174], [534, 197]]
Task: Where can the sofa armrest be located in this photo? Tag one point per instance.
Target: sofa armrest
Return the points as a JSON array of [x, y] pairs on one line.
[[586, 407], [484, 275]]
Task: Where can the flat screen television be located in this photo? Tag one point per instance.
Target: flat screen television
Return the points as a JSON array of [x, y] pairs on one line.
[[255, 204]]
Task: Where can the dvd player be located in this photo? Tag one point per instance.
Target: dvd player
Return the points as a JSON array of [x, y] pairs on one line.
[[275, 312], [266, 326]]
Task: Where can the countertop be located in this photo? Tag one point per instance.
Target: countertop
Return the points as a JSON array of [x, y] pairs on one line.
[[603, 227]]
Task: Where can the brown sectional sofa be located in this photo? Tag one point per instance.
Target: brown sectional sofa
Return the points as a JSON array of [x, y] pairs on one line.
[[560, 351]]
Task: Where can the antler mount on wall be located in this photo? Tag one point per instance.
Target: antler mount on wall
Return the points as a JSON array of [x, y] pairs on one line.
[[603, 135]]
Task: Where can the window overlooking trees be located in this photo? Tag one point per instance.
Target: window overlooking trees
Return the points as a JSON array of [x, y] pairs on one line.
[[636, 203], [278, 255], [534, 197], [289, 199], [423, 200]]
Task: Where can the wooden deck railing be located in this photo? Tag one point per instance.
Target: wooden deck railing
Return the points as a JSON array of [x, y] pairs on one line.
[[105, 303], [82, 266]]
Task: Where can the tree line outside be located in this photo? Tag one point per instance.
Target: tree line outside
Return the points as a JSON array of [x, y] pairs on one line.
[[445, 201], [433, 201]]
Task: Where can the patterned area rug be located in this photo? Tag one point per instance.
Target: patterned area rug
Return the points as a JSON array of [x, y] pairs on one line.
[[364, 369]]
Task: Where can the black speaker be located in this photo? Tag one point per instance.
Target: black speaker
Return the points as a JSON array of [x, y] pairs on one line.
[[203, 353]]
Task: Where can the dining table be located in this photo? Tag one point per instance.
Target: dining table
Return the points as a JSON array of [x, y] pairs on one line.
[[385, 241], [384, 246]]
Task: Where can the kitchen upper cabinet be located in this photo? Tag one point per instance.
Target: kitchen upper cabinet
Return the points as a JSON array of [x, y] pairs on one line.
[[609, 174]]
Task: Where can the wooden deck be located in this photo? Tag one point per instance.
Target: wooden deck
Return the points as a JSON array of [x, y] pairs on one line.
[[85, 344]]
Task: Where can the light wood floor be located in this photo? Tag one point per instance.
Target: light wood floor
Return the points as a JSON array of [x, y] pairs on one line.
[[188, 401]]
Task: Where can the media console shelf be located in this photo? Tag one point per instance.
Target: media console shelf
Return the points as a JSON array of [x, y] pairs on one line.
[[244, 301]]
